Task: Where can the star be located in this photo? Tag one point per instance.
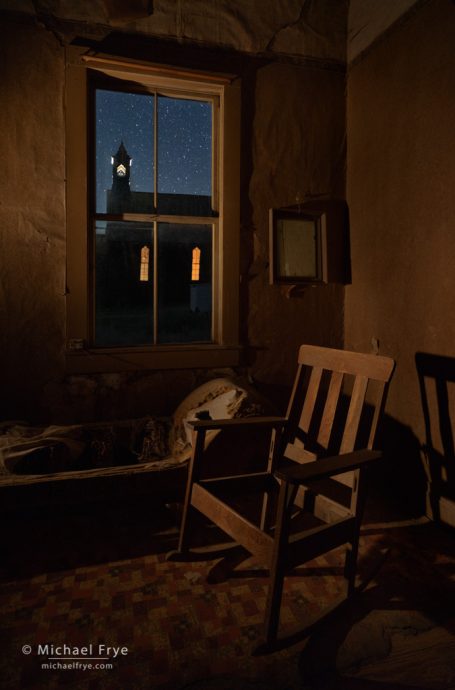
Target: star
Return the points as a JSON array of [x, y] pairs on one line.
[[184, 147]]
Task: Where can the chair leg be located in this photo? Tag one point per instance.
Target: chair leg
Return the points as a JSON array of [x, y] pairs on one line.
[[184, 534], [272, 615], [278, 566], [198, 439], [350, 565], [357, 506]]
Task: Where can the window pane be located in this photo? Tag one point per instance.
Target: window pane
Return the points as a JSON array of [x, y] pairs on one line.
[[184, 156], [184, 283], [124, 152], [123, 283]]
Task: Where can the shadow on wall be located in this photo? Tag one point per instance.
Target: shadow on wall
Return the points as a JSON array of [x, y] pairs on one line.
[[398, 485], [417, 478], [436, 373]]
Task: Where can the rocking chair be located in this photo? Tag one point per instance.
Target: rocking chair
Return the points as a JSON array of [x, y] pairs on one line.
[[316, 464]]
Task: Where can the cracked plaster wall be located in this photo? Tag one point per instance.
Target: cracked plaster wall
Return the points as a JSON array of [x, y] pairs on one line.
[[292, 143], [305, 28]]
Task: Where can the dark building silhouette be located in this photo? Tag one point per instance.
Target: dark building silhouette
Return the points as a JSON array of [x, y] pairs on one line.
[[124, 293], [119, 197]]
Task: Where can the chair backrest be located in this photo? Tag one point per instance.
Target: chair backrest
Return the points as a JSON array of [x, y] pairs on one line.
[[336, 402]]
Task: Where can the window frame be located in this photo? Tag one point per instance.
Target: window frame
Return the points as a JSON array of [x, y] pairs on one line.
[[81, 357]]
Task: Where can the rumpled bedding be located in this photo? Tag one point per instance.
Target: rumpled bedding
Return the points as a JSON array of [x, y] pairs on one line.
[[155, 442], [40, 450]]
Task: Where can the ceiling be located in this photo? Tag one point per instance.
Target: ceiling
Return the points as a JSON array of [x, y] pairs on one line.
[[328, 30], [368, 19]]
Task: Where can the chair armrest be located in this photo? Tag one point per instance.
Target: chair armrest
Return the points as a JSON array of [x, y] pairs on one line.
[[246, 422], [326, 467]]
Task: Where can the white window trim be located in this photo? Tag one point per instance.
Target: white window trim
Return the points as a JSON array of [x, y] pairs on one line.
[[225, 351]]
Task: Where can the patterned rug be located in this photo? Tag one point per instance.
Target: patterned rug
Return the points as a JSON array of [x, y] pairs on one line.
[[152, 624], [177, 629]]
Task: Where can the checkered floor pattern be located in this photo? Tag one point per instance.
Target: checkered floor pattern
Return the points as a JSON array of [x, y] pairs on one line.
[[179, 631]]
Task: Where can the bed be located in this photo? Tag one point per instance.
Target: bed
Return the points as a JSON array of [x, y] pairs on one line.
[[148, 454]]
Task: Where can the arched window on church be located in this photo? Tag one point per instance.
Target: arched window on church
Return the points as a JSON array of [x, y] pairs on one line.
[[196, 264], [144, 268]]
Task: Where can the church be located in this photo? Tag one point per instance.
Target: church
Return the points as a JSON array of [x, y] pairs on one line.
[[124, 265]]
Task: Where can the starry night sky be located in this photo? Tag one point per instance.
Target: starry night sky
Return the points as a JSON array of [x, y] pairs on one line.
[[184, 143]]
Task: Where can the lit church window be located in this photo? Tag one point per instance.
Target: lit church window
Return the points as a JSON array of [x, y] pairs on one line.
[[196, 264], [144, 270]]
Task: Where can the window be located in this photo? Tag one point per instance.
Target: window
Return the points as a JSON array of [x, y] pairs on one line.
[[152, 154], [153, 216]]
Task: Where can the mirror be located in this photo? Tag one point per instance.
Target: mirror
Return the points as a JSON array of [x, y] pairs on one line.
[[296, 243], [308, 243]]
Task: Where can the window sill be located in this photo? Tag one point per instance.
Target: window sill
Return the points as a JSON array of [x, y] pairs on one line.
[[91, 361]]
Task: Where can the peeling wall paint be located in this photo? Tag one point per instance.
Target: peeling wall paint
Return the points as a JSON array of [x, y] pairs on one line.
[[305, 28]]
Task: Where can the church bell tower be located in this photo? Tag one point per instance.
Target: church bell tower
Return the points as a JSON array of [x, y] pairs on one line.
[[119, 196]]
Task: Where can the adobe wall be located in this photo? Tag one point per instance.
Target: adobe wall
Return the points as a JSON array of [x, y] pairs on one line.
[[292, 144], [298, 152], [32, 216], [401, 175]]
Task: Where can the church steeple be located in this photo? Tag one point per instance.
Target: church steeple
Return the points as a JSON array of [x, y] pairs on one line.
[[120, 194], [121, 163]]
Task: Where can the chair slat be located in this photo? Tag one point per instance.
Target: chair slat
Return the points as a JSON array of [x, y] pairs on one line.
[[330, 407], [310, 399], [355, 410], [355, 363], [380, 397], [314, 542]]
